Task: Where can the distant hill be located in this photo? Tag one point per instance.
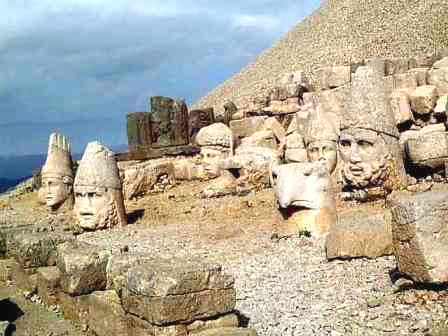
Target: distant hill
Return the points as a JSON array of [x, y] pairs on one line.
[[341, 32]]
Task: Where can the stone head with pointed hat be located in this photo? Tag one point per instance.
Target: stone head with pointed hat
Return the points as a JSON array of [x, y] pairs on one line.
[[368, 143], [216, 143], [57, 174], [321, 138], [98, 192]]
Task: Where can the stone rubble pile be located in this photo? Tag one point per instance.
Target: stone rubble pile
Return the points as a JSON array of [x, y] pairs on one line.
[[119, 293]]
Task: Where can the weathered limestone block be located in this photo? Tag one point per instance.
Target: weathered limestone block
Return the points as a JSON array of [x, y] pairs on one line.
[[305, 196], [360, 232], [429, 149], [186, 169], [83, 268], [37, 249], [48, 284], [169, 122], [287, 106], [421, 74], [57, 174], [178, 291], [272, 124], [331, 101], [423, 99], [439, 78], [420, 236], [139, 131], [140, 179], [102, 312], [396, 65], [99, 200], [295, 148], [401, 106], [255, 106], [25, 279], [260, 139], [198, 119], [336, 76], [118, 266], [441, 106], [405, 81], [228, 332], [246, 127], [443, 63], [405, 136]]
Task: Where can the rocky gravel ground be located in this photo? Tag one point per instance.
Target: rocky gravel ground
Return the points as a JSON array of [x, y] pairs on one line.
[[284, 287]]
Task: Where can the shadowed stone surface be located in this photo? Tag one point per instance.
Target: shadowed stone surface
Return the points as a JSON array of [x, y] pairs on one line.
[[420, 235], [360, 232]]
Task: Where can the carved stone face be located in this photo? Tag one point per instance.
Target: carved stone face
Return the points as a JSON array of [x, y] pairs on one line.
[[55, 190], [96, 208], [210, 158], [364, 154], [323, 151]]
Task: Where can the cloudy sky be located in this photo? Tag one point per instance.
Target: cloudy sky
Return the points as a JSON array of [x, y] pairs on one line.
[[78, 66]]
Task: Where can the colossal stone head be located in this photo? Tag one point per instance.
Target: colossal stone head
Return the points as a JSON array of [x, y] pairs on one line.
[[57, 174], [368, 143], [216, 143], [305, 196], [321, 137], [98, 194], [365, 156]]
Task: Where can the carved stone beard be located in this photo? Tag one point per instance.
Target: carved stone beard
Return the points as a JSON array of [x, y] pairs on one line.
[[374, 173], [107, 217], [365, 156]]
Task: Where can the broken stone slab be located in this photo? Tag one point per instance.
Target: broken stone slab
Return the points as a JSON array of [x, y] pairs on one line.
[[37, 249], [441, 106], [6, 269], [280, 107], [260, 139], [360, 232], [429, 149], [439, 78], [178, 291], [421, 74], [405, 136], [48, 284], [401, 106], [424, 60], [83, 267], [118, 266], [334, 76], [443, 63], [228, 332], [423, 99], [405, 81], [140, 179], [200, 118], [272, 124], [226, 321], [420, 237], [246, 127]]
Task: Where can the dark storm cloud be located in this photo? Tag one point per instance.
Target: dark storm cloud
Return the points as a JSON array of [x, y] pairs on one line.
[[71, 60]]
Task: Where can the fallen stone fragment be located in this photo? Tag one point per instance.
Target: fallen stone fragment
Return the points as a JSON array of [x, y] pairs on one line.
[[103, 314], [83, 268], [178, 291], [423, 99], [441, 106], [401, 106], [406, 81], [226, 321], [37, 249], [420, 238], [429, 149], [247, 126], [48, 284], [396, 65], [360, 232]]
